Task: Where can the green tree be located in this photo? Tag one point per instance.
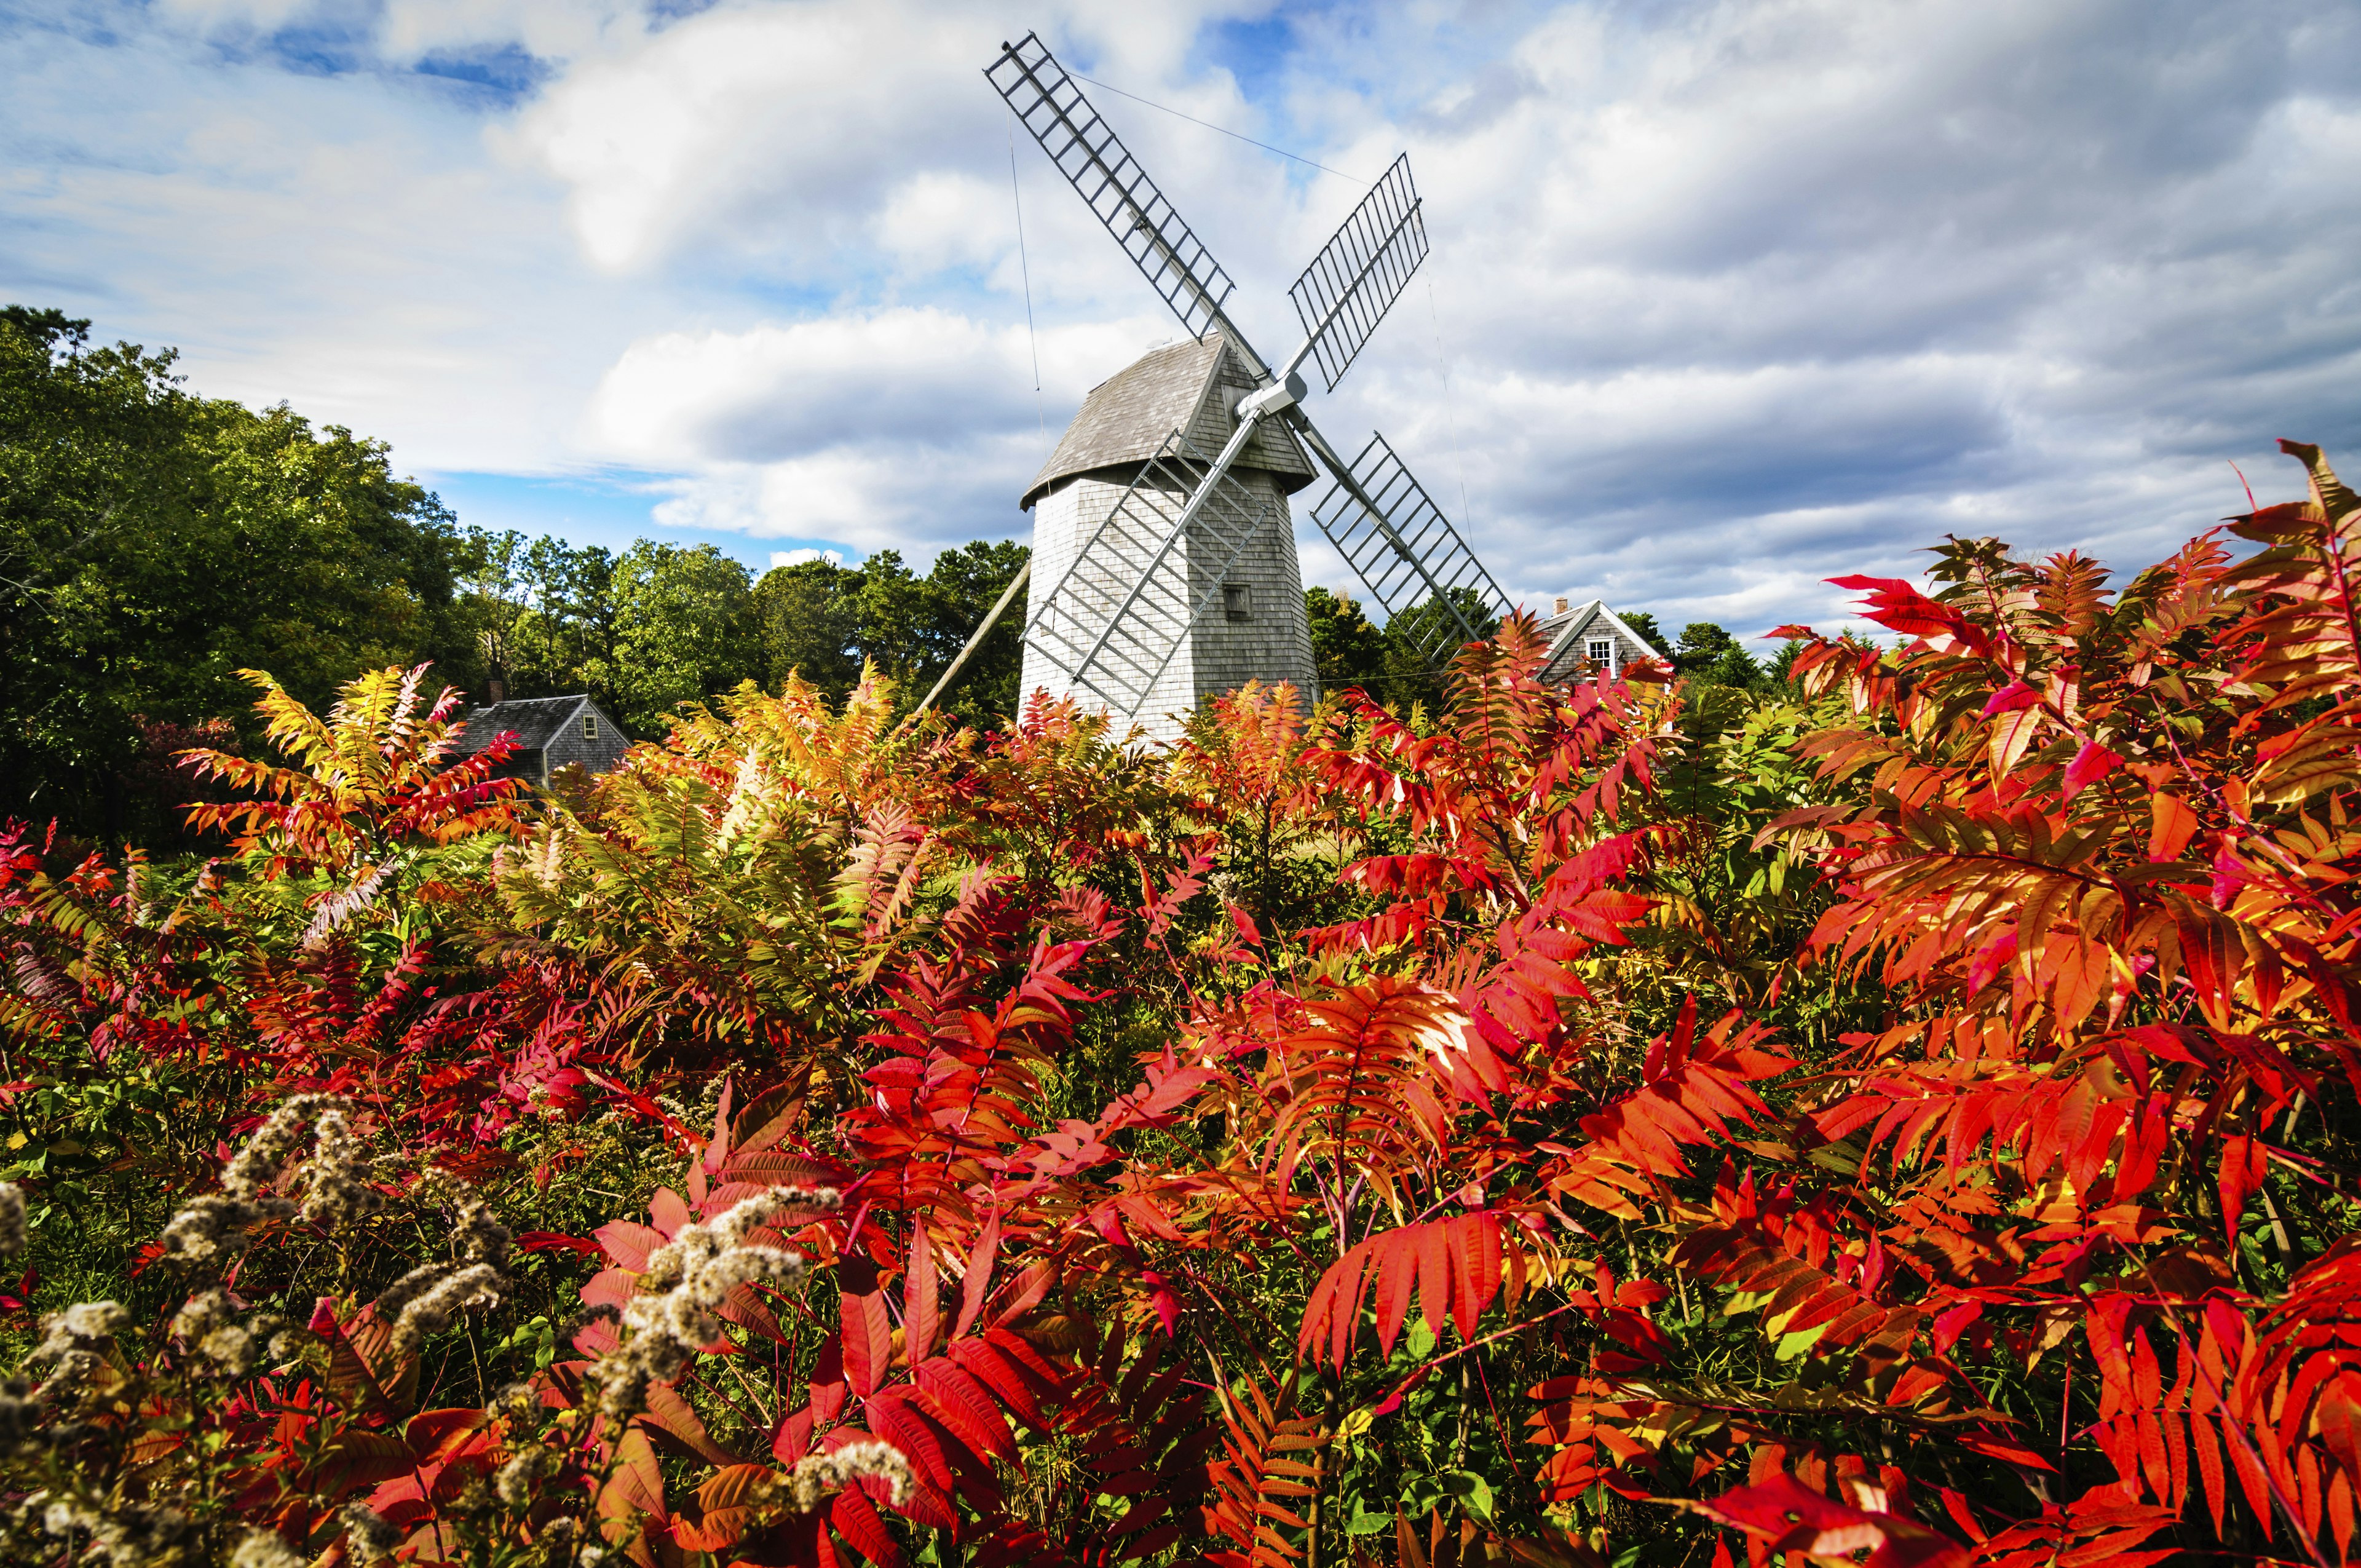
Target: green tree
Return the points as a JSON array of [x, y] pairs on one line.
[[683, 630], [1641, 621], [893, 623], [153, 542], [543, 614], [1708, 655], [571, 640], [494, 601], [807, 621], [827, 620], [1421, 642], [1347, 648], [960, 590]]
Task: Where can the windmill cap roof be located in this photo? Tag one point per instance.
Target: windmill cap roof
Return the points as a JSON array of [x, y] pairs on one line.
[[1126, 418]]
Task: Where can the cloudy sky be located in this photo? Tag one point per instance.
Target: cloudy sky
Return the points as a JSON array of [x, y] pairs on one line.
[[1724, 298]]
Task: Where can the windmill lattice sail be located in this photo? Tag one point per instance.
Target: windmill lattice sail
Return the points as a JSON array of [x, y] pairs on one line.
[[1114, 619], [1398, 543], [1361, 272], [1125, 579], [1094, 160]]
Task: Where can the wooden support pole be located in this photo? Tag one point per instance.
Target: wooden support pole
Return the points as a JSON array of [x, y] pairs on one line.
[[991, 620]]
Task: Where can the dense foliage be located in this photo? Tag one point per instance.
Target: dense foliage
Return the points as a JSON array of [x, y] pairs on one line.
[[133, 514], [661, 624], [132, 518], [1911, 1115]]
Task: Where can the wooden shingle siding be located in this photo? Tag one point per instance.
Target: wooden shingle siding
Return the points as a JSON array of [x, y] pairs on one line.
[[569, 746], [1275, 643], [1194, 386], [1571, 633], [1063, 521]]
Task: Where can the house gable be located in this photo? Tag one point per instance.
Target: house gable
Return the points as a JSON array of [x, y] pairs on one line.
[[1579, 636]]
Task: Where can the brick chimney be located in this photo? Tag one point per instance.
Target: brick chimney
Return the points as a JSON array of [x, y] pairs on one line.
[[1561, 609], [497, 689]]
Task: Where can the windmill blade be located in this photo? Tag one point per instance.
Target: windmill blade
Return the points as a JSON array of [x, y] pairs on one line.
[[1361, 272], [1087, 153], [1399, 544], [1117, 614]]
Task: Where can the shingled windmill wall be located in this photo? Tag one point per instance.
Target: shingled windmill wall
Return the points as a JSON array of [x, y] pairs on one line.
[[1193, 385]]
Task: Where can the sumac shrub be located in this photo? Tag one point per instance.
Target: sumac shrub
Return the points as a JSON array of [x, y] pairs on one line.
[[1907, 1113]]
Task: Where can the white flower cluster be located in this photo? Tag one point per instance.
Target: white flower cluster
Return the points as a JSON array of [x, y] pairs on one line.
[[816, 1477], [369, 1536], [425, 1300], [128, 1536], [265, 1548], [533, 1465], [335, 1182], [207, 1326], [210, 1231], [677, 1311], [74, 1344], [335, 1187], [562, 1541]]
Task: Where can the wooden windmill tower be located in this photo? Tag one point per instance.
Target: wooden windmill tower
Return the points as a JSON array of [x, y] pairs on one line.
[[1163, 514], [1225, 604]]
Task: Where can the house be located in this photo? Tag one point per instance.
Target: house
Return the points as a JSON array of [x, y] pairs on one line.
[[552, 733], [1590, 637], [1078, 502]]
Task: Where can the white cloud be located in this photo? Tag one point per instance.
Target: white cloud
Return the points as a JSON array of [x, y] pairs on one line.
[[415, 29], [213, 15], [340, 242], [1753, 295], [1730, 297], [912, 427], [898, 378], [785, 133], [799, 557]]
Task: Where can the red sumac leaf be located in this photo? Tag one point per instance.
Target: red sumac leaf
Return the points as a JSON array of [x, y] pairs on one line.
[[868, 1338]]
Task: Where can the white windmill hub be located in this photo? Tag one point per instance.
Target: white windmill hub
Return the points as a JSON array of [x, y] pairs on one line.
[[1276, 398]]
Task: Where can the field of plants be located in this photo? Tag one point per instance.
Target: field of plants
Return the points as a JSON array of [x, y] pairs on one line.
[[1907, 1116]]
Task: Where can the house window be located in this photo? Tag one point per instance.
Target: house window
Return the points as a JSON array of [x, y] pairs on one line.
[[1602, 652], [589, 727], [1238, 601]]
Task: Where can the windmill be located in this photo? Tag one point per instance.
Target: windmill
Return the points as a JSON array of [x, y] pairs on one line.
[[1127, 597]]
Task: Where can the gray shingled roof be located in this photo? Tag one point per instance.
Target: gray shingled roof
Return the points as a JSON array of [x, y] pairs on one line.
[[535, 719], [1182, 385]]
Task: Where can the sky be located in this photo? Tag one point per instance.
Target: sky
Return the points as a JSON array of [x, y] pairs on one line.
[[1724, 298]]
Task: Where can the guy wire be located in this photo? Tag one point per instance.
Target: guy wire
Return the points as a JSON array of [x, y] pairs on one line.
[[1025, 269], [1224, 129]]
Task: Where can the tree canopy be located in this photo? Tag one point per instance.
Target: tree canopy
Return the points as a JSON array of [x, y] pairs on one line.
[[133, 518], [136, 518]]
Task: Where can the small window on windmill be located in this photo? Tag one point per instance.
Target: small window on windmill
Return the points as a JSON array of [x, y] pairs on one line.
[[1602, 652], [1238, 601], [589, 727]]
